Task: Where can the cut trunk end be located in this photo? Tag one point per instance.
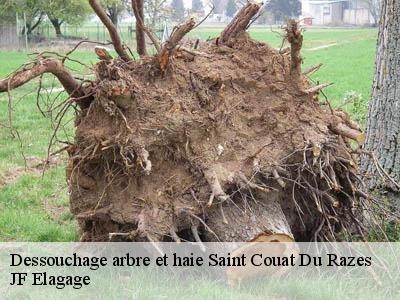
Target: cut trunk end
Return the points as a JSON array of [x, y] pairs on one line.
[[255, 222]]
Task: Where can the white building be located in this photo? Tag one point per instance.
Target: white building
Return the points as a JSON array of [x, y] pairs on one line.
[[338, 12]]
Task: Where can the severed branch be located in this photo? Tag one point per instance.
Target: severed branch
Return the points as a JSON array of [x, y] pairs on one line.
[[177, 35], [312, 69], [343, 130], [102, 53], [116, 40], [240, 22], [295, 38], [317, 88], [345, 117]]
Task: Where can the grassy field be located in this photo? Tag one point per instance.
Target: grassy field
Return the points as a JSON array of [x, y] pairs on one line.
[[34, 207]]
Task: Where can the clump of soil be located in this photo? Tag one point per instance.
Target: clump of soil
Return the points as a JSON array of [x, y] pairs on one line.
[[229, 143]]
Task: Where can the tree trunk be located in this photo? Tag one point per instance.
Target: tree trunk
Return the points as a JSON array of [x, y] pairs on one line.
[[383, 128], [57, 26], [261, 220]]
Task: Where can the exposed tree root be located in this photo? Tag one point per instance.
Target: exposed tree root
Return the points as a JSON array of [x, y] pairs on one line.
[[240, 22], [177, 35], [295, 38]]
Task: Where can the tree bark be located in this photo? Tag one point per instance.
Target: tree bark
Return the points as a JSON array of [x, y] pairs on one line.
[[383, 127], [240, 22], [138, 10]]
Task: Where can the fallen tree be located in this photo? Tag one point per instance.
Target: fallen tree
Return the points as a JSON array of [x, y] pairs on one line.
[[225, 142]]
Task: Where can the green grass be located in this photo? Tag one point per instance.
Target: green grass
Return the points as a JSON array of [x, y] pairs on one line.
[[147, 284], [33, 208], [36, 209]]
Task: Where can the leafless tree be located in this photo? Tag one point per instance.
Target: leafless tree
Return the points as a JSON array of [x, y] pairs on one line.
[[374, 7]]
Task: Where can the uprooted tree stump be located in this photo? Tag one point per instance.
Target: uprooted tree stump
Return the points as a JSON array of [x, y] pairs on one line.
[[226, 142]]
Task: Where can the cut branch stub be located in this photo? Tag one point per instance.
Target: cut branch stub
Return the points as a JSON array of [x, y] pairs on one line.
[[240, 22], [345, 131], [295, 38], [317, 88], [102, 53], [312, 69], [116, 40], [177, 35]]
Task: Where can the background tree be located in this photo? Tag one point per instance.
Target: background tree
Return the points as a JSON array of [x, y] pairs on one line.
[[156, 11], [7, 11], [61, 11], [178, 9], [114, 9], [383, 125], [197, 5], [231, 8], [33, 10], [284, 9], [219, 5], [374, 7]]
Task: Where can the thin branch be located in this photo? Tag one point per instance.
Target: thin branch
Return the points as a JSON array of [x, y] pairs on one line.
[[312, 69], [79, 44], [206, 17], [317, 88], [137, 6], [116, 40]]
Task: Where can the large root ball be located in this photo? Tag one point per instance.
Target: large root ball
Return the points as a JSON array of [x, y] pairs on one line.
[[228, 143]]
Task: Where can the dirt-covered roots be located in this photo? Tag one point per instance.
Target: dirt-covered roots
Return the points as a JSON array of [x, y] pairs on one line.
[[311, 194], [324, 192]]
